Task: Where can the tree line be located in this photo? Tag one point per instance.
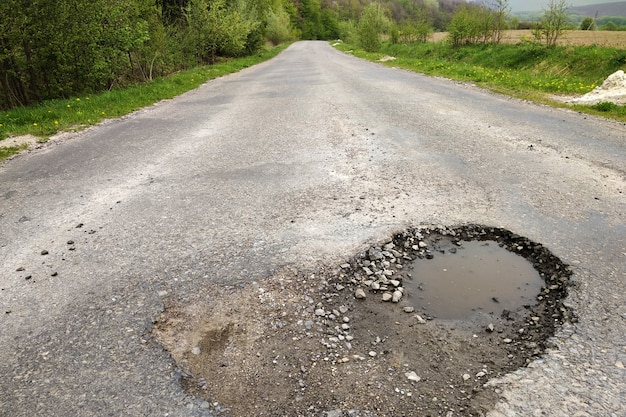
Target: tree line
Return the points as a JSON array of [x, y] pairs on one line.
[[62, 48]]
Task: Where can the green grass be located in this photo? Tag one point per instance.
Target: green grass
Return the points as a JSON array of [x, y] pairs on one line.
[[524, 70], [7, 151], [77, 113]]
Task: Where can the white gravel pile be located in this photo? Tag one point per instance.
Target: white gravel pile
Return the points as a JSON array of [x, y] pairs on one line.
[[613, 89]]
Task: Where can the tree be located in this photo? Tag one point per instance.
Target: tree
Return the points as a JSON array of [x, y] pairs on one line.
[[372, 23], [587, 24], [59, 48], [501, 10], [330, 24], [215, 28], [417, 31], [172, 11], [553, 23], [474, 24], [311, 13], [278, 25]]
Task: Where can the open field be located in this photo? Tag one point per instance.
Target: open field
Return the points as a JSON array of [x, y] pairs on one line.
[[616, 39]]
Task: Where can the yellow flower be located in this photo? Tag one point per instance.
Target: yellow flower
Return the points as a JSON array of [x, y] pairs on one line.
[[1, 125], [68, 106], [56, 122], [103, 113], [77, 99], [34, 124]]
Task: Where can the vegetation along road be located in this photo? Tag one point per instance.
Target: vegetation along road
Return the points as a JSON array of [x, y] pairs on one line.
[[119, 243]]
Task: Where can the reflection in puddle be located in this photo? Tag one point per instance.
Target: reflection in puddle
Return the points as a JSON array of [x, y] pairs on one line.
[[476, 276]]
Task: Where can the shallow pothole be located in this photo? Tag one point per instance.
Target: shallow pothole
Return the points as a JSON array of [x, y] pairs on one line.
[[309, 343], [467, 278]]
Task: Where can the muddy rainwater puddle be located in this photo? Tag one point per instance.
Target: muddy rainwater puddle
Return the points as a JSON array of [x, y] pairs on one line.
[[478, 276]]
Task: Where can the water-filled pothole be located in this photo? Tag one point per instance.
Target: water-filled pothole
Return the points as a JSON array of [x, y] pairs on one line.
[[469, 277], [345, 339]]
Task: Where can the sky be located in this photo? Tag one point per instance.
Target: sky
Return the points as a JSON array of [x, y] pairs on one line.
[[532, 5]]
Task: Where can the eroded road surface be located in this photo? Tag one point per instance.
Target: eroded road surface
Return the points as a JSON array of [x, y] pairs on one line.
[[259, 184]]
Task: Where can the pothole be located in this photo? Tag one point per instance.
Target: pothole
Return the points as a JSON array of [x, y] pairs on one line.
[[466, 278], [324, 343]]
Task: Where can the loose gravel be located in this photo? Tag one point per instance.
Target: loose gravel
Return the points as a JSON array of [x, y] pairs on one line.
[[343, 341]]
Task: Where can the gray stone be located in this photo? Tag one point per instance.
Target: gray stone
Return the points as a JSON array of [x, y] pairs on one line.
[[359, 293], [412, 376], [375, 254], [419, 319]]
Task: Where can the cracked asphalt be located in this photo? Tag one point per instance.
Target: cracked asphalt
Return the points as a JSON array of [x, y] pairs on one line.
[[300, 161]]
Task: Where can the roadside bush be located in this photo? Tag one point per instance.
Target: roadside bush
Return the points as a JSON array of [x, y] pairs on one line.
[[348, 32], [372, 24], [473, 24], [278, 27], [605, 106], [394, 34], [224, 29], [418, 31]]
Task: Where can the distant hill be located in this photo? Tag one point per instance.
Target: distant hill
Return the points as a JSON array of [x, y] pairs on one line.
[[603, 9], [538, 5]]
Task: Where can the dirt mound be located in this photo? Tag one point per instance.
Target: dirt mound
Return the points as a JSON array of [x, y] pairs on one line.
[[325, 343], [613, 89]]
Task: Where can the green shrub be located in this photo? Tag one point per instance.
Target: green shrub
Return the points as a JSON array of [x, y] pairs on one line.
[[605, 106], [587, 24], [278, 29], [348, 32], [372, 24], [477, 24]]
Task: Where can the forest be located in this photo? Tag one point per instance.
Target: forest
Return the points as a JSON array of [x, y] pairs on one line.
[[61, 48]]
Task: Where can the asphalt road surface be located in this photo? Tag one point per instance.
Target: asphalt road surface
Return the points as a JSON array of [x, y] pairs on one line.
[[302, 161]]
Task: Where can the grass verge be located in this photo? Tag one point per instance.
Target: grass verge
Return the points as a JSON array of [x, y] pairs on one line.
[[8, 151], [50, 117], [524, 70]]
